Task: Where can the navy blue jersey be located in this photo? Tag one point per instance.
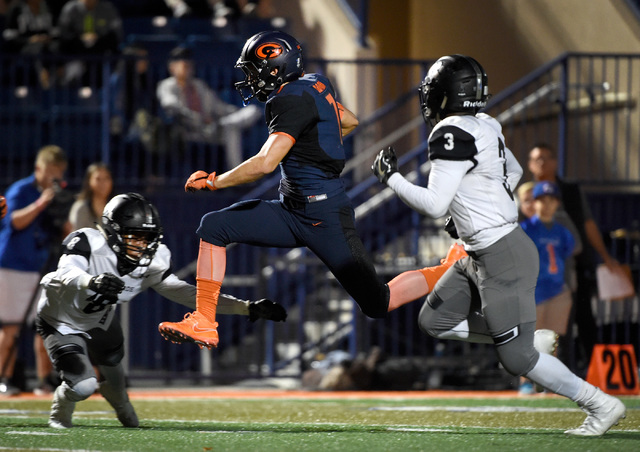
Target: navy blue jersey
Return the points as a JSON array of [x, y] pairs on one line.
[[307, 111]]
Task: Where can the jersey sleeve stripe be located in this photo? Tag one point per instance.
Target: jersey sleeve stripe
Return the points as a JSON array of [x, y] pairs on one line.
[[286, 135]]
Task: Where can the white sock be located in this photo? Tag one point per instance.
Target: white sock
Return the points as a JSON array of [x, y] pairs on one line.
[[587, 391], [553, 375]]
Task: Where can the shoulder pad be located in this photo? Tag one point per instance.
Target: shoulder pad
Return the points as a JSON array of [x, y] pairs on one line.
[[451, 143], [77, 243]]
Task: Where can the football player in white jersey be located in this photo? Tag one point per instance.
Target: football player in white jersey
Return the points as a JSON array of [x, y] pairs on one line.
[[99, 269], [487, 297]]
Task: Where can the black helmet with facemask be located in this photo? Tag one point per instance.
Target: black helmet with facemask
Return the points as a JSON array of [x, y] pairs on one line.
[[131, 215]]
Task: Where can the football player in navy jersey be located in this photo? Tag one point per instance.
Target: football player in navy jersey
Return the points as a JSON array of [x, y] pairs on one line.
[[306, 124], [99, 269], [489, 296]]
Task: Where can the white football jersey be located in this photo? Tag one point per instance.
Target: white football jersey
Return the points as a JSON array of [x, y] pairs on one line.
[[472, 176], [71, 308]]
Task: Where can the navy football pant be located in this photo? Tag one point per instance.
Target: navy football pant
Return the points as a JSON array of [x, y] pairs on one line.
[[326, 227]]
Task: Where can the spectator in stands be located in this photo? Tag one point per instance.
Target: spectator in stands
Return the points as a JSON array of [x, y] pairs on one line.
[[97, 188], [88, 27], [526, 211], [555, 245], [526, 208], [198, 114], [30, 233], [134, 99], [543, 165], [29, 30]]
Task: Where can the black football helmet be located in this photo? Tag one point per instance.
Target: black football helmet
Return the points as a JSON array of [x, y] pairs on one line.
[[131, 214], [454, 84], [261, 54]]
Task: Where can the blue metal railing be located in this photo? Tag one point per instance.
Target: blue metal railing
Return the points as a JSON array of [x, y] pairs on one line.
[[591, 116]]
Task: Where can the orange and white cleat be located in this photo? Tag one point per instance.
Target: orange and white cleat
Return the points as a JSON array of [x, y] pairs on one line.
[[195, 327]]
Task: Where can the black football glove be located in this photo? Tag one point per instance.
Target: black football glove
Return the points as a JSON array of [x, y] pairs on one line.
[[450, 228], [385, 164], [107, 284], [266, 309]]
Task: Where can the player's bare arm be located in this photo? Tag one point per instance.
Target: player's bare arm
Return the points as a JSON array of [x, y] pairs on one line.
[[264, 162], [595, 239], [348, 121]]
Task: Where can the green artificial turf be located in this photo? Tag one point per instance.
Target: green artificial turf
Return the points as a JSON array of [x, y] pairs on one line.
[[527, 424]]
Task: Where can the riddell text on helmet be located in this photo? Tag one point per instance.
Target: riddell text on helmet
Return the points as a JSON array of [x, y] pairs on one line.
[[476, 103]]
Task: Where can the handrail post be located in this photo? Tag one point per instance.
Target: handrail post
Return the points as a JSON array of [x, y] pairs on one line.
[[563, 122]]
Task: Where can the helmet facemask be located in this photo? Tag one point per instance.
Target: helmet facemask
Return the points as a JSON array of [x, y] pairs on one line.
[[432, 101], [268, 60], [128, 219], [257, 83], [141, 254]]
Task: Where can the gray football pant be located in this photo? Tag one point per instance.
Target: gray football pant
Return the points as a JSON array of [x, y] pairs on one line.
[[489, 297]]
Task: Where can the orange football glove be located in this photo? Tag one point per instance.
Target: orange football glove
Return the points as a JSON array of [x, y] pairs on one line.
[[3, 207], [200, 180]]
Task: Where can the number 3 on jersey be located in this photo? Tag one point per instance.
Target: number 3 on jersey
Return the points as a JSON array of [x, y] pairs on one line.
[[448, 144]]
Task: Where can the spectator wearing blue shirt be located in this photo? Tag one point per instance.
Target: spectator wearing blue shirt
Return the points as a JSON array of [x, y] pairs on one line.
[[555, 245], [27, 235]]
